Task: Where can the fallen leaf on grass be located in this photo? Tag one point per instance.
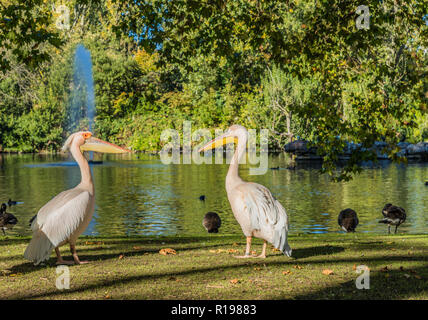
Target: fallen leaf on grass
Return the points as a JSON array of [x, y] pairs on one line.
[[136, 248], [167, 251], [43, 278], [232, 251], [257, 268], [121, 256], [218, 250], [235, 281], [407, 275], [327, 272], [286, 272], [15, 274], [384, 269], [214, 286], [354, 267], [94, 242], [235, 244], [173, 279], [418, 277], [297, 267], [253, 252]]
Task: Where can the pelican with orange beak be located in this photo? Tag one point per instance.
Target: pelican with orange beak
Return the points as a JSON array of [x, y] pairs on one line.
[[255, 208], [66, 216]]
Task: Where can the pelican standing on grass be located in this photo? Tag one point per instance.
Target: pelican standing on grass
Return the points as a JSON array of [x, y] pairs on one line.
[[257, 211], [66, 216]]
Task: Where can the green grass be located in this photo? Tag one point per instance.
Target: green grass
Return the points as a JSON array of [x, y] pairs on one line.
[[204, 268]]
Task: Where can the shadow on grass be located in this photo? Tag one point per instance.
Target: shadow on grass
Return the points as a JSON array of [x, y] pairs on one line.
[[28, 267], [392, 285], [5, 241], [316, 251]]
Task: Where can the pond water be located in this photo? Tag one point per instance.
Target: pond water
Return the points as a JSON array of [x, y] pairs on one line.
[[137, 194]]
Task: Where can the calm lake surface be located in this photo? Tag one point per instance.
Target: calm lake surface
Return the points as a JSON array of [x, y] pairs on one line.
[[139, 195]]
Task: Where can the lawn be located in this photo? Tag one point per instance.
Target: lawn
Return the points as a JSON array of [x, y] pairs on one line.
[[322, 267]]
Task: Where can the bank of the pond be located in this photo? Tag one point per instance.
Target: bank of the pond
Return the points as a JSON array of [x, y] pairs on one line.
[[323, 267]]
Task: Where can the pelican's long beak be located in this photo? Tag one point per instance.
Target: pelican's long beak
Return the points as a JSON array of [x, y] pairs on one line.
[[218, 142], [97, 145]]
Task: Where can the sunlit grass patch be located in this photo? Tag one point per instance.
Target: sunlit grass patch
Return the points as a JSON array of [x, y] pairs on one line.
[[322, 267]]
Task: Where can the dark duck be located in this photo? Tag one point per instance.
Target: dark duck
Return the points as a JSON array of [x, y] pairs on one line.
[[12, 203], [348, 220], [211, 222], [7, 220], [393, 216]]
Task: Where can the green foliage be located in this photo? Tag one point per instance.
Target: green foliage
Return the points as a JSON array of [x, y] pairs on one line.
[[157, 63], [25, 33]]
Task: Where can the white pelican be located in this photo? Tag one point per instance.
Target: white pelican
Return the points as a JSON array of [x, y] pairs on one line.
[[66, 216], [255, 208]]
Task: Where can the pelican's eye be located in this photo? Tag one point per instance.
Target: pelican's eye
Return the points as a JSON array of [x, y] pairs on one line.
[[87, 135]]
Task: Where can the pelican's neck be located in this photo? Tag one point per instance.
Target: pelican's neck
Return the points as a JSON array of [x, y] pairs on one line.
[[85, 172], [232, 177]]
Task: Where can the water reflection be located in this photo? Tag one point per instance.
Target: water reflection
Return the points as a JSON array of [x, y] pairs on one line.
[[142, 196]]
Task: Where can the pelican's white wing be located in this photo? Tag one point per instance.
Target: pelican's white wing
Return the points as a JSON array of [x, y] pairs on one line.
[[266, 215], [61, 216]]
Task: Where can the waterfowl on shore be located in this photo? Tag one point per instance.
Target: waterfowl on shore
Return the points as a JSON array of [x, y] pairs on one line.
[[7, 220], [12, 203], [67, 215], [348, 220], [394, 216], [257, 211], [211, 222]]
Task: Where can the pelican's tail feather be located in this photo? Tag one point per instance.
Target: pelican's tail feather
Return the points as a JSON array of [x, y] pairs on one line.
[[281, 232], [287, 251], [39, 249]]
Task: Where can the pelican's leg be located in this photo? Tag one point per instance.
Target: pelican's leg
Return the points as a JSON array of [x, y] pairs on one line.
[[4, 233], [389, 229], [396, 229], [263, 255], [59, 258], [247, 250], [74, 253]]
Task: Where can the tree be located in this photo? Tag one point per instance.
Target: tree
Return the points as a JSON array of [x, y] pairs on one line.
[[309, 39]]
